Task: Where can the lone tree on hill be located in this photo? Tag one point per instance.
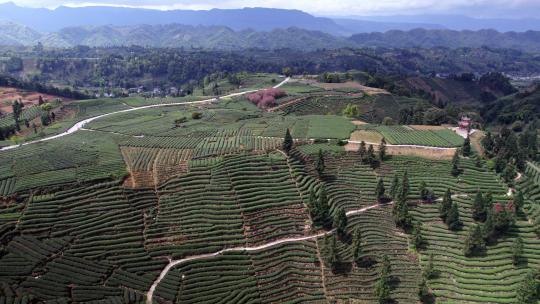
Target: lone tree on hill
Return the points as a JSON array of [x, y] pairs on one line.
[[379, 190], [446, 204], [455, 165], [340, 222], [382, 150], [382, 288], [287, 142], [466, 150], [474, 241], [452, 219], [319, 166]]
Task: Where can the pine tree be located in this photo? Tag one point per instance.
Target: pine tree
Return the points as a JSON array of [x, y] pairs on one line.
[[455, 165], [445, 204], [474, 241], [322, 215], [519, 201], [371, 157], [362, 151], [382, 150], [379, 190], [332, 255], [487, 143], [287, 142], [479, 209], [488, 229], [340, 222], [423, 190], [452, 220], [382, 288], [517, 250], [313, 204], [394, 187], [417, 238], [423, 290], [429, 271], [509, 173], [357, 246], [478, 161], [466, 150], [319, 166], [528, 291], [404, 189]]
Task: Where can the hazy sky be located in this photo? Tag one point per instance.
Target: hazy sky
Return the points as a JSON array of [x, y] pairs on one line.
[[475, 8]]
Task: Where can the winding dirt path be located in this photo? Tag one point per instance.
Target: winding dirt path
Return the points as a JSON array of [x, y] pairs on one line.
[[173, 263], [80, 125]]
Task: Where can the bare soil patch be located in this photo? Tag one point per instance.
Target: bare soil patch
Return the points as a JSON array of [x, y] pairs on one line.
[[29, 98], [426, 128]]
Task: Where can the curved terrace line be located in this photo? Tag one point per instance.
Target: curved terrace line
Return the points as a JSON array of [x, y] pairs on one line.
[[173, 263], [80, 125]]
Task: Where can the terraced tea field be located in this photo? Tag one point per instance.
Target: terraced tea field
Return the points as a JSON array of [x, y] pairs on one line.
[[200, 203]]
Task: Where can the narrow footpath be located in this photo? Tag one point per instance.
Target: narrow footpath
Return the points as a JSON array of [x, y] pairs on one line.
[[173, 263]]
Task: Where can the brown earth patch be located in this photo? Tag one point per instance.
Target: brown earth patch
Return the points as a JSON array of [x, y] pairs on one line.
[[29, 98], [424, 152]]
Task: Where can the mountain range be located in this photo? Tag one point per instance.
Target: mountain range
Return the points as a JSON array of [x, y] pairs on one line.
[[225, 38], [258, 19]]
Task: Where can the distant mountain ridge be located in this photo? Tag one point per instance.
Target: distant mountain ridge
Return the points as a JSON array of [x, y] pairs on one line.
[[224, 38], [258, 19]]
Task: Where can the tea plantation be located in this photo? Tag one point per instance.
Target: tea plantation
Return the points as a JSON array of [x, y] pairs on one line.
[[206, 203]]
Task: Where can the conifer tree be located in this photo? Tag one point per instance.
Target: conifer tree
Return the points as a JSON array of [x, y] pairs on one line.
[[357, 246], [446, 204], [452, 219], [423, 190], [287, 142], [519, 201], [380, 190], [382, 150], [332, 255], [466, 150], [362, 151], [479, 208], [423, 290], [429, 271], [319, 166], [382, 288], [474, 241], [455, 165], [528, 291], [394, 187], [404, 189], [370, 157], [417, 238], [517, 250], [340, 222]]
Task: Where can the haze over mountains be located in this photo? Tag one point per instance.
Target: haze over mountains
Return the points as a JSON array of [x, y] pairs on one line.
[[231, 29]]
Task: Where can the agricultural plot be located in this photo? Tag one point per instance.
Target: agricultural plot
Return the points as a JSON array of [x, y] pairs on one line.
[[405, 135], [495, 277]]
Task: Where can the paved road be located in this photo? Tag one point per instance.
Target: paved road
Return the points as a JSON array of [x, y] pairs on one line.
[[173, 263], [78, 126]]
